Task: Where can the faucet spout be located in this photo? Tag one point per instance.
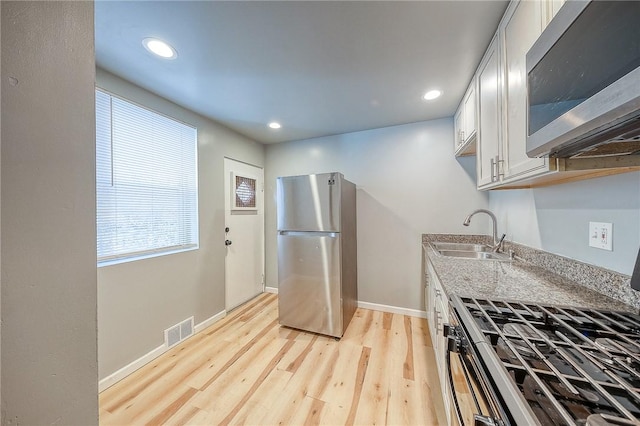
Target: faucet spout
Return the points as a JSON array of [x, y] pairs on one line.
[[467, 221]]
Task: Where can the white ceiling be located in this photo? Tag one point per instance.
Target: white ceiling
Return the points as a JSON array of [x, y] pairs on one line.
[[319, 68]]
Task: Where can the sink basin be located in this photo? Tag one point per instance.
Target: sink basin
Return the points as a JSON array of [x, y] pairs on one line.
[[461, 246], [468, 251], [478, 255]]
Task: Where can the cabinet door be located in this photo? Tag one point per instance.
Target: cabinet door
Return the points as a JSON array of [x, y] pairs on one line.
[[458, 128], [441, 357], [489, 110], [522, 26], [552, 8], [469, 106]]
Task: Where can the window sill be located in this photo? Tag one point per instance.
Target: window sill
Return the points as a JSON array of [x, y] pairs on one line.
[[133, 258]]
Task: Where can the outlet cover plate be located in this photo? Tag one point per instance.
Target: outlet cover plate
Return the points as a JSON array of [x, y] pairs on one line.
[[601, 235]]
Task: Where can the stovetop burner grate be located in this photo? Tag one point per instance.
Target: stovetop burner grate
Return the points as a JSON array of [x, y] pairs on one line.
[[569, 363]]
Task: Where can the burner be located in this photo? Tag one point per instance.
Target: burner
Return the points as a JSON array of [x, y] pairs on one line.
[[614, 346], [606, 420], [515, 329]]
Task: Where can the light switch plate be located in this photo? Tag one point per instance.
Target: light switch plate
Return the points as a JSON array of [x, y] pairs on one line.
[[601, 235]]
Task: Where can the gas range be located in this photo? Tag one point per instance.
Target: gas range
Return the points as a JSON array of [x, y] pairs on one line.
[[549, 365]]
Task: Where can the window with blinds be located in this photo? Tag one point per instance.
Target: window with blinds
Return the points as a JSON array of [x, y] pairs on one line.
[[146, 179]]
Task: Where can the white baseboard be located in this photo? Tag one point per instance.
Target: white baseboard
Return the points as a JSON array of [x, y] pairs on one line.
[[114, 378], [393, 309], [206, 323], [128, 369], [273, 290]]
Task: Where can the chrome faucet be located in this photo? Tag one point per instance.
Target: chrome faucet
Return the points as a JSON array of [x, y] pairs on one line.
[[497, 243]]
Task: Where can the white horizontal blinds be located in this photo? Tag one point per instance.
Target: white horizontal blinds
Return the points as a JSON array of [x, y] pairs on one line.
[[147, 181]]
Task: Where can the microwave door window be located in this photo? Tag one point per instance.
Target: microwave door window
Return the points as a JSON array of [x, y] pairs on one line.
[[599, 47]]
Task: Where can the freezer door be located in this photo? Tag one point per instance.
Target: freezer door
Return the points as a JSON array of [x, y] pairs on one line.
[[309, 290], [309, 203]]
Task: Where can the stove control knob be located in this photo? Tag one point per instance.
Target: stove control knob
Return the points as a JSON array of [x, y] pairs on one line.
[[447, 329], [453, 343]]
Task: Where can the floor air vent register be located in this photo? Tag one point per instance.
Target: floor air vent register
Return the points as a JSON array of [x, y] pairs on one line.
[[177, 333]]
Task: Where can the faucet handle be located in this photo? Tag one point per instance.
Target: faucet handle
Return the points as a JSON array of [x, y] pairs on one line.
[[498, 245]]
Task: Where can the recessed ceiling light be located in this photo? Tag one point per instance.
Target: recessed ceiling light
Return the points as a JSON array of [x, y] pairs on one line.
[[274, 125], [159, 48], [431, 95]]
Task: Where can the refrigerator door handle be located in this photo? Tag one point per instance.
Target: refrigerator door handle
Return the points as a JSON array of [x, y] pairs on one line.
[[309, 234]]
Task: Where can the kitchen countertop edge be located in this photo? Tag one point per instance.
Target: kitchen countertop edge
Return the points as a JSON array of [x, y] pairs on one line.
[[535, 276]]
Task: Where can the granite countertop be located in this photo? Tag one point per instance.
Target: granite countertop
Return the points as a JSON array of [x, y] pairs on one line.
[[517, 281]]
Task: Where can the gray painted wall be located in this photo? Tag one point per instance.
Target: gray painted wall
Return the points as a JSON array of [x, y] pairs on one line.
[[49, 354], [138, 300], [1, 410], [409, 183], [556, 218]]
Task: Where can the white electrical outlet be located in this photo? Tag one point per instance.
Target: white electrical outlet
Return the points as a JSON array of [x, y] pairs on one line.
[[601, 235]]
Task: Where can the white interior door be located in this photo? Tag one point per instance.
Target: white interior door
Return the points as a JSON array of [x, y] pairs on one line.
[[244, 236]]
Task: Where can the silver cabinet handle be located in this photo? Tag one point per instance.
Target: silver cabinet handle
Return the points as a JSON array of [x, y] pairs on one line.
[[493, 176]]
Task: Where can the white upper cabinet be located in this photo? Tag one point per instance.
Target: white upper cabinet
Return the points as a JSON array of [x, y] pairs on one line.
[[502, 99], [465, 122], [501, 91], [458, 141], [522, 25], [469, 104], [552, 7], [489, 117]]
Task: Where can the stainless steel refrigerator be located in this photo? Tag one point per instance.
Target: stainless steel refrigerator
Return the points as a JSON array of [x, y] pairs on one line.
[[317, 252]]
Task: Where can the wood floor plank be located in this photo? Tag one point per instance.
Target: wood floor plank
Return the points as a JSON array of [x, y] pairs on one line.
[[172, 408], [372, 408], [247, 370], [183, 416], [222, 395], [315, 412], [363, 364], [257, 382], [261, 402], [243, 350], [286, 405], [295, 364], [408, 360], [429, 385]]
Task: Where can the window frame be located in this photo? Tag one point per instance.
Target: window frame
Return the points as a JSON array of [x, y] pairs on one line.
[[131, 256]]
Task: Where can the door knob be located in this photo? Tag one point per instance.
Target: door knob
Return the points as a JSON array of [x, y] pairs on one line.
[[227, 242]]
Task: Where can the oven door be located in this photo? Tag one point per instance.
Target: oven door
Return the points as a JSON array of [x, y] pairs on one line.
[[471, 401]]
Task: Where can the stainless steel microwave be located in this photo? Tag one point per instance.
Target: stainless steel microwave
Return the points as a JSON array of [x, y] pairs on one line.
[[583, 82]]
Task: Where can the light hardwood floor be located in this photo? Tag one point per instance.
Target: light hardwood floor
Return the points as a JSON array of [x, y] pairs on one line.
[[246, 369]]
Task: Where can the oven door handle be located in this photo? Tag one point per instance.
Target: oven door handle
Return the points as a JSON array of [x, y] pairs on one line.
[[480, 420]]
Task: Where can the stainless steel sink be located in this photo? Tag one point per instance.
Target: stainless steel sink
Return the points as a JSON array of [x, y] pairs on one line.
[[478, 255], [461, 246], [469, 251]]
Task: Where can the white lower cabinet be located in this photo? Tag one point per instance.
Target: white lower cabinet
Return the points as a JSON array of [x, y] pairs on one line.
[[438, 315]]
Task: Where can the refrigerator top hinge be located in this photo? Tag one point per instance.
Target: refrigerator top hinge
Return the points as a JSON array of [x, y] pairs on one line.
[[332, 181]]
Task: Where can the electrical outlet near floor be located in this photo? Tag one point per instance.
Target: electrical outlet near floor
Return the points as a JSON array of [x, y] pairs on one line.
[[601, 235]]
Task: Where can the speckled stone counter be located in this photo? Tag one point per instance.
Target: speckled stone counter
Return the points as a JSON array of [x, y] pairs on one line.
[[518, 280]]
